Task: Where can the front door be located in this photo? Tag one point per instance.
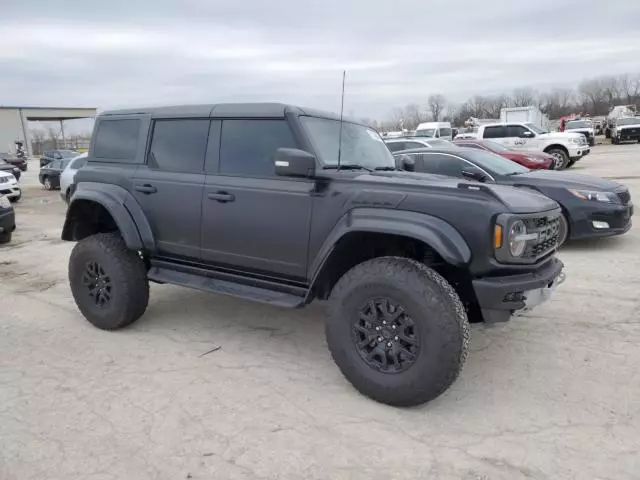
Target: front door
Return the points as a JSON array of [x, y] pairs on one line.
[[169, 186], [253, 219], [519, 137]]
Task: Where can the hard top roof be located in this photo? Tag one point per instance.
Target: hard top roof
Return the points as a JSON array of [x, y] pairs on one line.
[[227, 110]]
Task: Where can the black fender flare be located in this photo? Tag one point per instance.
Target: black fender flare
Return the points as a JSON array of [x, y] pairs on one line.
[[433, 231], [123, 208]]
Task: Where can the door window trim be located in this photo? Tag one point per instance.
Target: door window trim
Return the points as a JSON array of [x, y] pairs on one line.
[[459, 158]]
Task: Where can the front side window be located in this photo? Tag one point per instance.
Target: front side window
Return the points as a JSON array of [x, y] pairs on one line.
[[178, 145], [445, 132], [248, 147], [117, 140], [360, 145]]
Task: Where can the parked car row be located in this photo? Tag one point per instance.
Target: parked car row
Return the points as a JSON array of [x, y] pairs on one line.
[[7, 219]]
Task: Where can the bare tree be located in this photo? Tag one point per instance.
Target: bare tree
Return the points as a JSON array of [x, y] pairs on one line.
[[52, 133], [412, 116], [630, 88], [495, 104], [612, 90], [523, 97], [436, 104], [593, 96], [396, 119], [477, 106]]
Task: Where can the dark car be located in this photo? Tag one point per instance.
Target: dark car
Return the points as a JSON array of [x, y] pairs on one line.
[[7, 167], [591, 206], [257, 201], [49, 155], [7, 219], [50, 174], [14, 160], [531, 160]]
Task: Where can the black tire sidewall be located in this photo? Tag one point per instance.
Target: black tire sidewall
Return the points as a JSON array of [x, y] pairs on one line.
[[441, 341], [118, 312]]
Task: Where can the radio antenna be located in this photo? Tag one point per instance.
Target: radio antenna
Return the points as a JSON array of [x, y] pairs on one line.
[[344, 73]]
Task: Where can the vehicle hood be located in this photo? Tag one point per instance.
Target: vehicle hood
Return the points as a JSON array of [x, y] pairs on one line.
[[579, 130], [561, 135], [560, 179], [624, 127], [516, 200]]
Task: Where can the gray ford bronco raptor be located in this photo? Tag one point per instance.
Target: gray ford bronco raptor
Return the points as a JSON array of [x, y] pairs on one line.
[[259, 201]]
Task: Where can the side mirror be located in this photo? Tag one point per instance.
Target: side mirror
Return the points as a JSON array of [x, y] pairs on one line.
[[291, 162], [474, 175], [405, 162], [526, 134]]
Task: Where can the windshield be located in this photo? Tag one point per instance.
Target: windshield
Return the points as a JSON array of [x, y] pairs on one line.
[[628, 121], [494, 163], [578, 124], [495, 146], [440, 143], [360, 145], [68, 153], [536, 129], [426, 132]]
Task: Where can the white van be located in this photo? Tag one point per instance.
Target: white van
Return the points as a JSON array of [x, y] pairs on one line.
[[435, 130]]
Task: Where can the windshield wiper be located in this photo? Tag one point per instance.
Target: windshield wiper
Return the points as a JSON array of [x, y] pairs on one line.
[[385, 169], [346, 166]]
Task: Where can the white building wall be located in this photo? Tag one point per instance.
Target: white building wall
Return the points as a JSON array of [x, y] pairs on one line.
[[10, 130]]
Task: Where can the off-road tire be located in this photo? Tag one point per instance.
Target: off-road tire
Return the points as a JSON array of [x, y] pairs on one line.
[[440, 319], [127, 274], [561, 158], [5, 237]]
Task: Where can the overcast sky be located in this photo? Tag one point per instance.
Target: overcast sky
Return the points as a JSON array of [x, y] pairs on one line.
[[129, 53]]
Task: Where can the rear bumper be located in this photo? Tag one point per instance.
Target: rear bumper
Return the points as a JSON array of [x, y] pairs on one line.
[[499, 297]]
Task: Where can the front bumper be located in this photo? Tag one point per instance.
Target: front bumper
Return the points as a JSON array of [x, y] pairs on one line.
[[589, 220], [7, 220], [578, 151], [10, 190], [500, 297], [628, 135]]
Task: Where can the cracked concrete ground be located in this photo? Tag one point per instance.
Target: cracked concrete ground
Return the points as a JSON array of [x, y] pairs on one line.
[[554, 394]]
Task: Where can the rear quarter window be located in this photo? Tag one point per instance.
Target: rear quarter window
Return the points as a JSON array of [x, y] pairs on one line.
[[117, 140]]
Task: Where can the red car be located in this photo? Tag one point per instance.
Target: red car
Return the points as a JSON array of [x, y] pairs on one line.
[[531, 160]]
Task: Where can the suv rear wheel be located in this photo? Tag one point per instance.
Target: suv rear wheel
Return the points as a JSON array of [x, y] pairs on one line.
[[108, 281], [397, 330]]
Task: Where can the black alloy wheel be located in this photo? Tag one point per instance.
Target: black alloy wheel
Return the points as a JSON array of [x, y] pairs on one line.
[[98, 283], [385, 336]]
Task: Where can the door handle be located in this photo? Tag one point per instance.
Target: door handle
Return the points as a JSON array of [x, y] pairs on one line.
[[222, 197], [146, 188]]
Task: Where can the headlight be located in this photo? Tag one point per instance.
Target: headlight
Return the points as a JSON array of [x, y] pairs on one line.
[[517, 238], [578, 141], [4, 202], [595, 196]]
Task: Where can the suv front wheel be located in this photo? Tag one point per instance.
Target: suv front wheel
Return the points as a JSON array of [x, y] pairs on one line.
[[108, 281], [397, 330]]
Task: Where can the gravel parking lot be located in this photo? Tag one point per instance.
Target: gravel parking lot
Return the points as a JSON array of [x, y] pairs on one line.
[[206, 386]]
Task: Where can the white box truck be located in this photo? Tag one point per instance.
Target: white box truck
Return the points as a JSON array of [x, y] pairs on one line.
[[531, 115]]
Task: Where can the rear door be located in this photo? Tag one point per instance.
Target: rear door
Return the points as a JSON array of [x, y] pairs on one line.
[[253, 219], [169, 185]]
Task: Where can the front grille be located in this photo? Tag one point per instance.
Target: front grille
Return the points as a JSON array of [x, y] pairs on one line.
[[547, 228], [5, 192], [625, 197]]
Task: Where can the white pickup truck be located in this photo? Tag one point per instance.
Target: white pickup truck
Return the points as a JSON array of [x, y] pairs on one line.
[[566, 148]]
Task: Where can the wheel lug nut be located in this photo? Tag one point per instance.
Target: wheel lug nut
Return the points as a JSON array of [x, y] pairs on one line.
[[388, 344], [377, 329], [393, 327], [384, 322], [395, 338], [380, 339]]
